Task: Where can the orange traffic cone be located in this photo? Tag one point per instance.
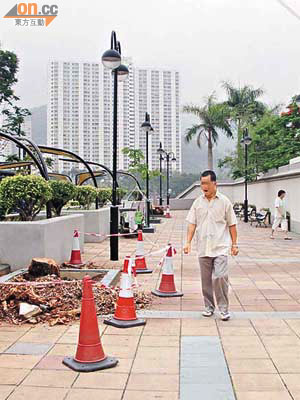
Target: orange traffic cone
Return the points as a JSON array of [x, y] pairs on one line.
[[125, 314], [167, 285], [140, 262], [168, 215], [133, 267], [90, 355], [75, 253]]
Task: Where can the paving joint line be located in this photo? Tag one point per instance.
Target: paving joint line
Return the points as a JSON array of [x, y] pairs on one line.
[[133, 360], [224, 354], [234, 315], [271, 358]]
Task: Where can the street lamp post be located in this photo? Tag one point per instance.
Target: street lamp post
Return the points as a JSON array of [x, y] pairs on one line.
[[168, 157], [246, 141], [111, 59], [160, 175], [146, 126]]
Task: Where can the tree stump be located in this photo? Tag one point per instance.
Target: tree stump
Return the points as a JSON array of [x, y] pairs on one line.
[[43, 266]]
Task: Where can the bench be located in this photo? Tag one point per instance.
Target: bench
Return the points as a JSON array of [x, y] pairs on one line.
[[261, 218]]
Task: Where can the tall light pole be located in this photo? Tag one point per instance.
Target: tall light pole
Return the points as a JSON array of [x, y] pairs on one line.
[[160, 175], [111, 59], [246, 141], [147, 127], [168, 156]]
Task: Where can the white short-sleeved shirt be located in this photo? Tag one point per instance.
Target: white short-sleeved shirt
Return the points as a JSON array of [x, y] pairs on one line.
[[280, 208], [212, 220]]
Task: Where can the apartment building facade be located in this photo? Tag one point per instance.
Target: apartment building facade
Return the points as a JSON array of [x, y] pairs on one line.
[[80, 112]]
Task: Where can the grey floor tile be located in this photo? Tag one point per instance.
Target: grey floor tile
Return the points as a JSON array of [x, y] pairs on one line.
[[213, 340], [202, 361], [205, 392], [203, 370], [205, 376], [29, 348]]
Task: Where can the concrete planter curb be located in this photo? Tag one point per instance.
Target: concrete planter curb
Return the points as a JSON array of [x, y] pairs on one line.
[[51, 238], [111, 277]]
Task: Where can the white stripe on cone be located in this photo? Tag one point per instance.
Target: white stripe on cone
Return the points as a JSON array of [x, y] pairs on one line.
[[140, 249], [76, 245], [134, 273], [126, 283], [168, 266]]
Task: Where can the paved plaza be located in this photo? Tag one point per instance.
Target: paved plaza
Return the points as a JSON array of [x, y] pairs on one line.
[[178, 354]]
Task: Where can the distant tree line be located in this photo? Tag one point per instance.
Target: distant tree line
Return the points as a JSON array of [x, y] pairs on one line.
[[275, 136]]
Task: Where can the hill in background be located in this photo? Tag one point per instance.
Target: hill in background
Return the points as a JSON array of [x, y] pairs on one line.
[[194, 159]]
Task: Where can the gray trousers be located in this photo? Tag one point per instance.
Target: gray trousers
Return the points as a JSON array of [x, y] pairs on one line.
[[214, 278]]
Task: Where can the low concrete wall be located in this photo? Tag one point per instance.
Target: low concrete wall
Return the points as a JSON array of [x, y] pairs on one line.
[[95, 221], [22, 241], [262, 193], [181, 204]]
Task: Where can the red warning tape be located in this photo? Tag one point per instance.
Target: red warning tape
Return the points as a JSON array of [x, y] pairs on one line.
[[114, 288], [107, 236]]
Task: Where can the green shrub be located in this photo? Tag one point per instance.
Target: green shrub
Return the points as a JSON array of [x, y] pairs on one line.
[[63, 192], [3, 209], [120, 194], [85, 195], [104, 195], [73, 203], [25, 195]]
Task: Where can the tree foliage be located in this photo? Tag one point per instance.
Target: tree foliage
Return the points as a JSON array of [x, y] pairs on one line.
[[26, 195], [275, 140], [213, 118], [105, 195], [86, 195], [63, 192], [137, 164], [13, 115], [245, 110], [244, 104]]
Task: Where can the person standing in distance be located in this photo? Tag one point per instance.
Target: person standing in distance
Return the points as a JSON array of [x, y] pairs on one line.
[[213, 219], [280, 215]]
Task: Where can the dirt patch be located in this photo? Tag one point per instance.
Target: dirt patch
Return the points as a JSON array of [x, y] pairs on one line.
[[60, 302]]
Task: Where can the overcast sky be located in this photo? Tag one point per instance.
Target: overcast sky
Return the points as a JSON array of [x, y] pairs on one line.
[[245, 41]]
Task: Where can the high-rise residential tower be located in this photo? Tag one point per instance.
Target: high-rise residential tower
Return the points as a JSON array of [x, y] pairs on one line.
[[80, 111]]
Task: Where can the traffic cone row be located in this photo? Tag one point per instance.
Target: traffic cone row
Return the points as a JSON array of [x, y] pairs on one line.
[[90, 355]]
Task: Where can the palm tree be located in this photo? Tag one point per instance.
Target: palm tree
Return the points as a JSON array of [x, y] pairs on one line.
[[245, 109], [214, 117], [243, 102]]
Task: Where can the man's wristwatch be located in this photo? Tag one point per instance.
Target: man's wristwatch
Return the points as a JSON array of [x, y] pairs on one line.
[[234, 245]]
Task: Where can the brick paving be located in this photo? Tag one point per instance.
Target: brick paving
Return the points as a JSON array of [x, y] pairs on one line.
[[255, 358]]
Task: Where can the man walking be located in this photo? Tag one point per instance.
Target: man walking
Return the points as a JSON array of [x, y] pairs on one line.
[[280, 215], [213, 219]]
